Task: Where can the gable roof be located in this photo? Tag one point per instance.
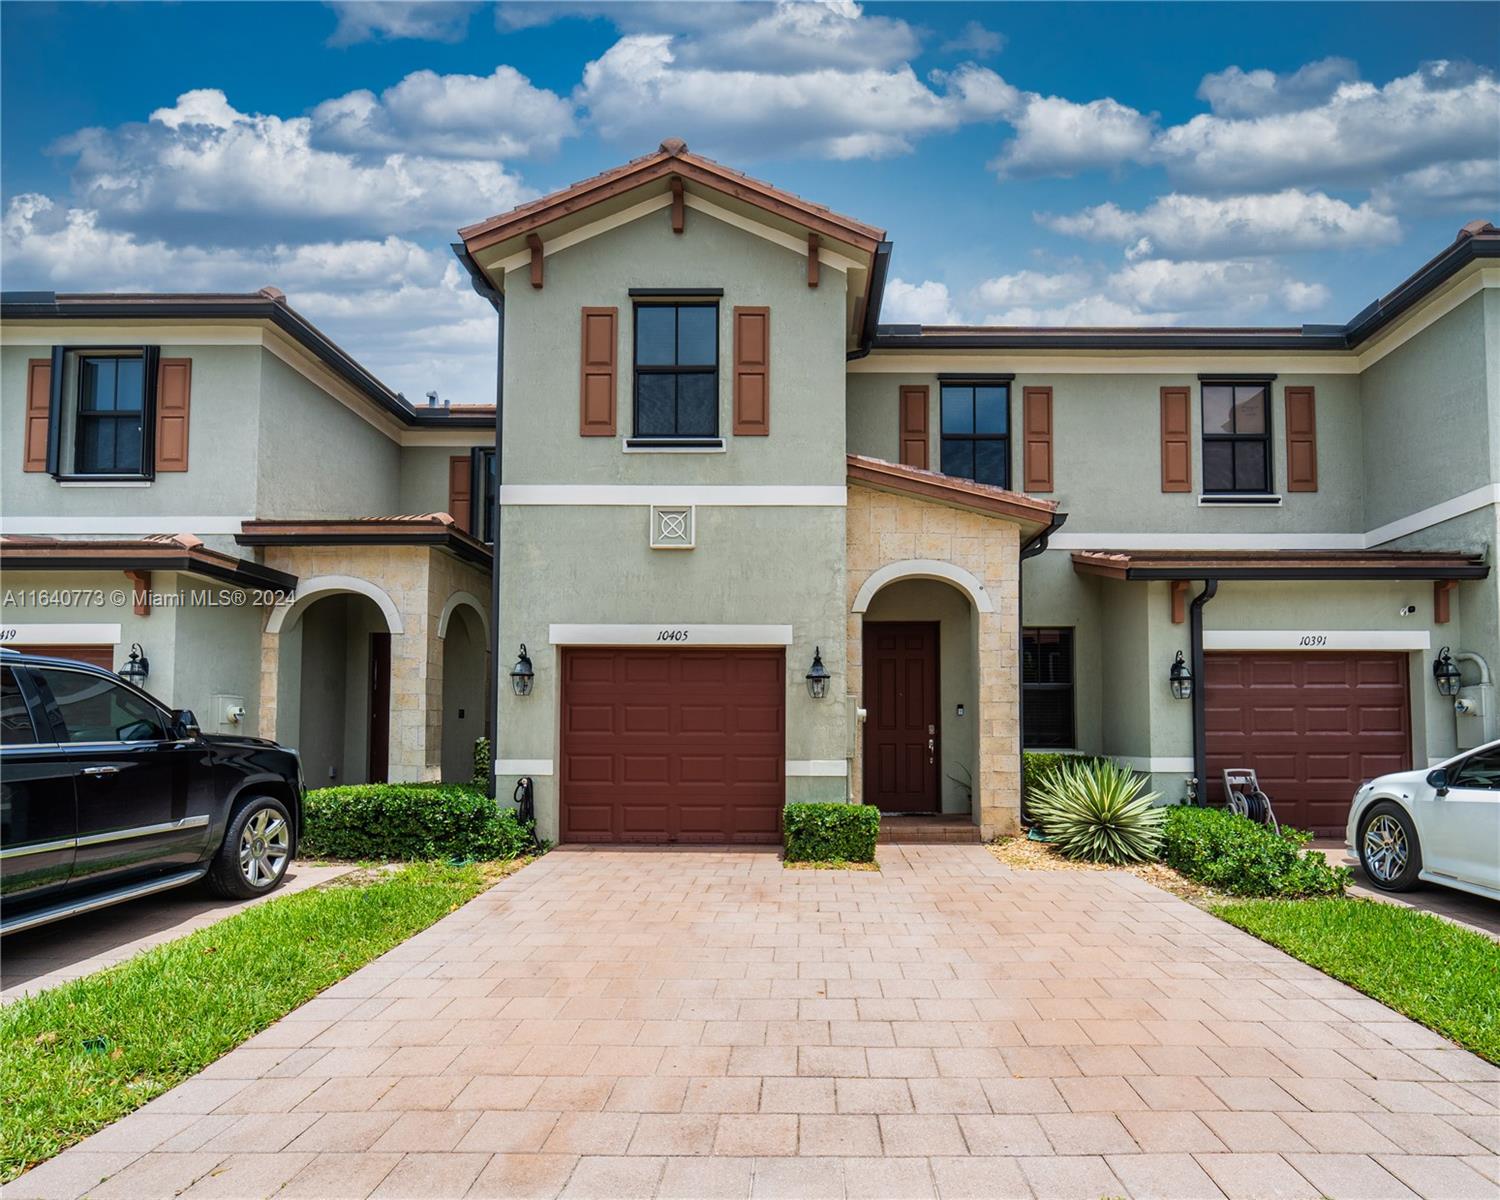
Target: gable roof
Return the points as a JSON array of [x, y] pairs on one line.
[[883, 476], [671, 158]]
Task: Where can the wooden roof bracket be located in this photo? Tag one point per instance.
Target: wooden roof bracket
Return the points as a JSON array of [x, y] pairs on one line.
[[140, 591], [534, 243], [1442, 590], [1179, 601], [679, 204], [812, 260]]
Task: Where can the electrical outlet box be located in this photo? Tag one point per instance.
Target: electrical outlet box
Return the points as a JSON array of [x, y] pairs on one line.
[[231, 714]]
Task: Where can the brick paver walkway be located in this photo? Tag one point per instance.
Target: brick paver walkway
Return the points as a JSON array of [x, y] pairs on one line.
[[700, 1024]]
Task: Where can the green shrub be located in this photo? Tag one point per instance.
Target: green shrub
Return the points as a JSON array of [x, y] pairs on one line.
[[1236, 855], [483, 760], [1093, 809], [410, 821], [1037, 766], [830, 832]]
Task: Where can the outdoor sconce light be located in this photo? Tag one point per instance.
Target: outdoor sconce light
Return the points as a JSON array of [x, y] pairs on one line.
[[1445, 674], [818, 676], [1182, 679], [521, 675], [139, 666]]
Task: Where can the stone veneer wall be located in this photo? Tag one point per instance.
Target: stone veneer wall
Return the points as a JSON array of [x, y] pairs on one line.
[[885, 528], [419, 581]]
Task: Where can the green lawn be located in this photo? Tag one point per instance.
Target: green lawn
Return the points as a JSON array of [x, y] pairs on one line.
[[1446, 977], [76, 1057]]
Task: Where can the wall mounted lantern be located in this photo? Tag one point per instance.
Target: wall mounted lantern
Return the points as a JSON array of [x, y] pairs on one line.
[[818, 676], [138, 668], [521, 675], [1182, 679], [1445, 674]]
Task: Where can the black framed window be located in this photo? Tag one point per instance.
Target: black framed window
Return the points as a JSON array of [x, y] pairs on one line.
[[677, 370], [1237, 438], [1047, 689], [103, 412], [976, 432], [482, 490]]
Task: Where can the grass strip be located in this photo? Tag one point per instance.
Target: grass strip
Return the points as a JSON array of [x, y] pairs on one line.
[[83, 1054], [1444, 976]]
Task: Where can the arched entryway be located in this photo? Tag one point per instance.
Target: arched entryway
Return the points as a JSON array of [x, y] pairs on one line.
[[465, 688]]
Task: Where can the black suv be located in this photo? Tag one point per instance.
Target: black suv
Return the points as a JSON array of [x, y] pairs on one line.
[[106, 795]]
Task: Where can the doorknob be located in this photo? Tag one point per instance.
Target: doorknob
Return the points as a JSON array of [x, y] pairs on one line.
[[930, 749]]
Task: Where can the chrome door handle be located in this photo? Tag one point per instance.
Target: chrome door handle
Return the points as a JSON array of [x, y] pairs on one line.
[[98, 771]]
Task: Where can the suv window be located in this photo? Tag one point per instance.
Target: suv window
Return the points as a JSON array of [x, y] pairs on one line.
[[94, 709], [15, 721], [1481, 771]]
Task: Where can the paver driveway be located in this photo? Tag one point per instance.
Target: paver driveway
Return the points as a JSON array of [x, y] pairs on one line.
[[676, 1023]]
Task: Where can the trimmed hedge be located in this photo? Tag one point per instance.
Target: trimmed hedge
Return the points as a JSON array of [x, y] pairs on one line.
[[410, 821], [830, 832], [1237, 855]]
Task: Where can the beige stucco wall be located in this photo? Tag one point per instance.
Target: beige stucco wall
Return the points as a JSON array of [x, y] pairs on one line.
[[884, 529]]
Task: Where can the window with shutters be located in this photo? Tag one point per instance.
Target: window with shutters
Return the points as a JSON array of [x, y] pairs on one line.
[[676, 372], [1237, 438], [103, 413], [976, 432], [1047, 689], [482, 521]]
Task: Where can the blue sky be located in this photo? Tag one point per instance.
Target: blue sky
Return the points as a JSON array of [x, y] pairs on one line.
[[1034, 163]]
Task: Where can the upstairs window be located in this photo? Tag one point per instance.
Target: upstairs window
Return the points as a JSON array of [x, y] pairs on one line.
[[976, 432], [104, 412], [677, 371], [1047, 689], [1237, 438]]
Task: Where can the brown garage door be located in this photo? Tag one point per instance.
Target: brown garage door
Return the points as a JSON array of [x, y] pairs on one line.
[[99, 656], [1313, 727], [673, 745]]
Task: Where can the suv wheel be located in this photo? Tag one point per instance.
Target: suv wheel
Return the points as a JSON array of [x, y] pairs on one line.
[[1388, 847], [256, 852]]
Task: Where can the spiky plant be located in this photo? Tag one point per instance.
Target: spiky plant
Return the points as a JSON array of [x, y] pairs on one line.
[[1093, 809]]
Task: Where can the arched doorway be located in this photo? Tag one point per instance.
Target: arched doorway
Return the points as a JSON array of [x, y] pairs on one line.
[[334, 675], [465, 684]]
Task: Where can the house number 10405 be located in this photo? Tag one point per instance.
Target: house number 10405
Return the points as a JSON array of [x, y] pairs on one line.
[[672, 635]]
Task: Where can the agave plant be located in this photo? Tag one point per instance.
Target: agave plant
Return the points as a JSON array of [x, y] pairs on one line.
[[1093, 809]]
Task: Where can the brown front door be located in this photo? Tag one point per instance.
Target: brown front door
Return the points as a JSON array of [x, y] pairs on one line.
[[685, 745], [901, 722], [378, 769], [1312, 726]]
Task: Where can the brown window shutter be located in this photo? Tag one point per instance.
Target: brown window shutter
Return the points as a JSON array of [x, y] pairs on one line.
[[752, 372], [596, 392], [174, 387], [38, 412], [1301, 440], [914, 427], [459, 490], [1036, 417], [1176, 439]]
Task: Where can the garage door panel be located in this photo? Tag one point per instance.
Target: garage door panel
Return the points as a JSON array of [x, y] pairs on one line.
[[1313, 726], [668, 745]]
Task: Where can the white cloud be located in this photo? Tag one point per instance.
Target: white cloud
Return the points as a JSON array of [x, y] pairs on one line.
[[1471, 187], [405, 311], [1234, 288], [975, 39], [423, 20], [1093, 311], [1032, 288], [464, 116], [925, 303], [1181, 226], [1362, 134], [202, 168], [1055, 136], [1239, 93], [638, 88]]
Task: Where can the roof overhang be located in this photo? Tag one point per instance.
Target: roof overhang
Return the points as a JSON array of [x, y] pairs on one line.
[[1285, 565], [1032, 514], [436, 530], [180, 552]]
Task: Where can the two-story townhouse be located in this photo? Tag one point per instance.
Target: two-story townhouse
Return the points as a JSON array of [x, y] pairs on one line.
[[288, 548], [722, 481]]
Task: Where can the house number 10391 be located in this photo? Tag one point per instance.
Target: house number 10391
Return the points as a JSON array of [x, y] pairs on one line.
[[1313, 639], [672, 635]]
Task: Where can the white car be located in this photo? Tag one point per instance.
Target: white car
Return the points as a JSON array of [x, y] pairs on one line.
[[1441, 826]]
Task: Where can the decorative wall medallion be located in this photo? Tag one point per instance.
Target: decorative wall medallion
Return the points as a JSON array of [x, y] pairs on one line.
[[672, 527]]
